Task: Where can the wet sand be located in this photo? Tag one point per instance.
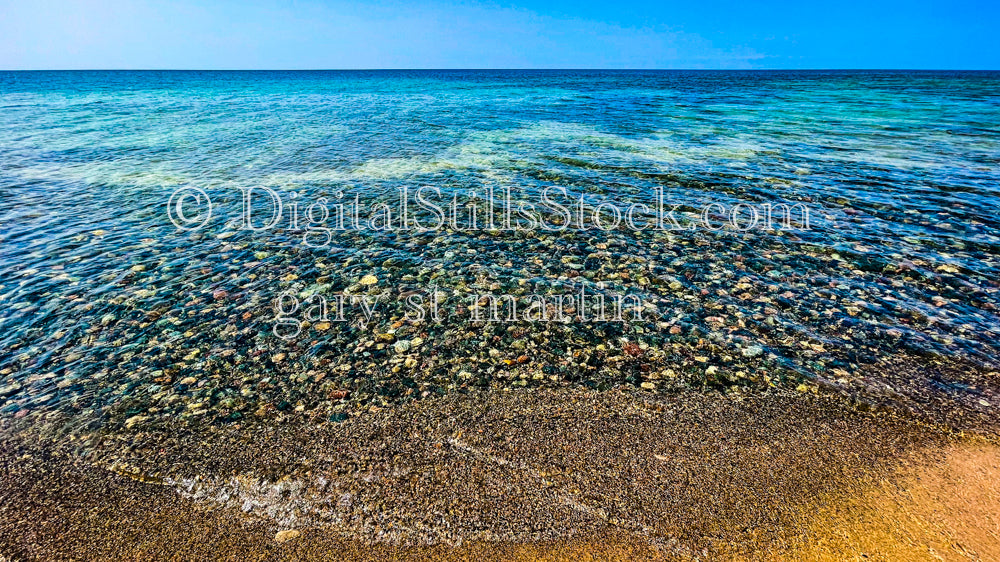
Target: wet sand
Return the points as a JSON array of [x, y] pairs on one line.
[[567, 474]]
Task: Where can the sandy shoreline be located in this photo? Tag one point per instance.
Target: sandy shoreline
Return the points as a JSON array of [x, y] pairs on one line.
[[550, 474]]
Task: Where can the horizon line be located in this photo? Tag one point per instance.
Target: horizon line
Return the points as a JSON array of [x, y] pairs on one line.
[[566, 69]]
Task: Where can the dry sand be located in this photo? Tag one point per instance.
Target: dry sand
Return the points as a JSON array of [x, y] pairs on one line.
[[529, 475]]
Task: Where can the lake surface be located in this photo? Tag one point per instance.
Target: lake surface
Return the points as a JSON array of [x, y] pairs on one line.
[[112, 316]]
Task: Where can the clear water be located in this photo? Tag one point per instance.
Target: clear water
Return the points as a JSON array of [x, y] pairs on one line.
[[110, 313]]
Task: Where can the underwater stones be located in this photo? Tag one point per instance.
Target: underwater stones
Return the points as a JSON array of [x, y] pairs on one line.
[[710, 292], [9, 390]]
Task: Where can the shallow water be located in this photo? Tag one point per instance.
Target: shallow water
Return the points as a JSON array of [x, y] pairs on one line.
[[112, 314]]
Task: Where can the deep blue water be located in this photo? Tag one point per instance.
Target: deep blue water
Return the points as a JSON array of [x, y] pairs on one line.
[[106, 304]]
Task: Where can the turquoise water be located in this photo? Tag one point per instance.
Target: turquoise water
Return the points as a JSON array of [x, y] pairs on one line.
[[110, 313]]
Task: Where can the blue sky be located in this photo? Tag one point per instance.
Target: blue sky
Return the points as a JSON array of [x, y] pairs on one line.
[[225, 34]]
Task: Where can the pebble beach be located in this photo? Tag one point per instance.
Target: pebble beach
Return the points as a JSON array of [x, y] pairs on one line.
[[618, 359]]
